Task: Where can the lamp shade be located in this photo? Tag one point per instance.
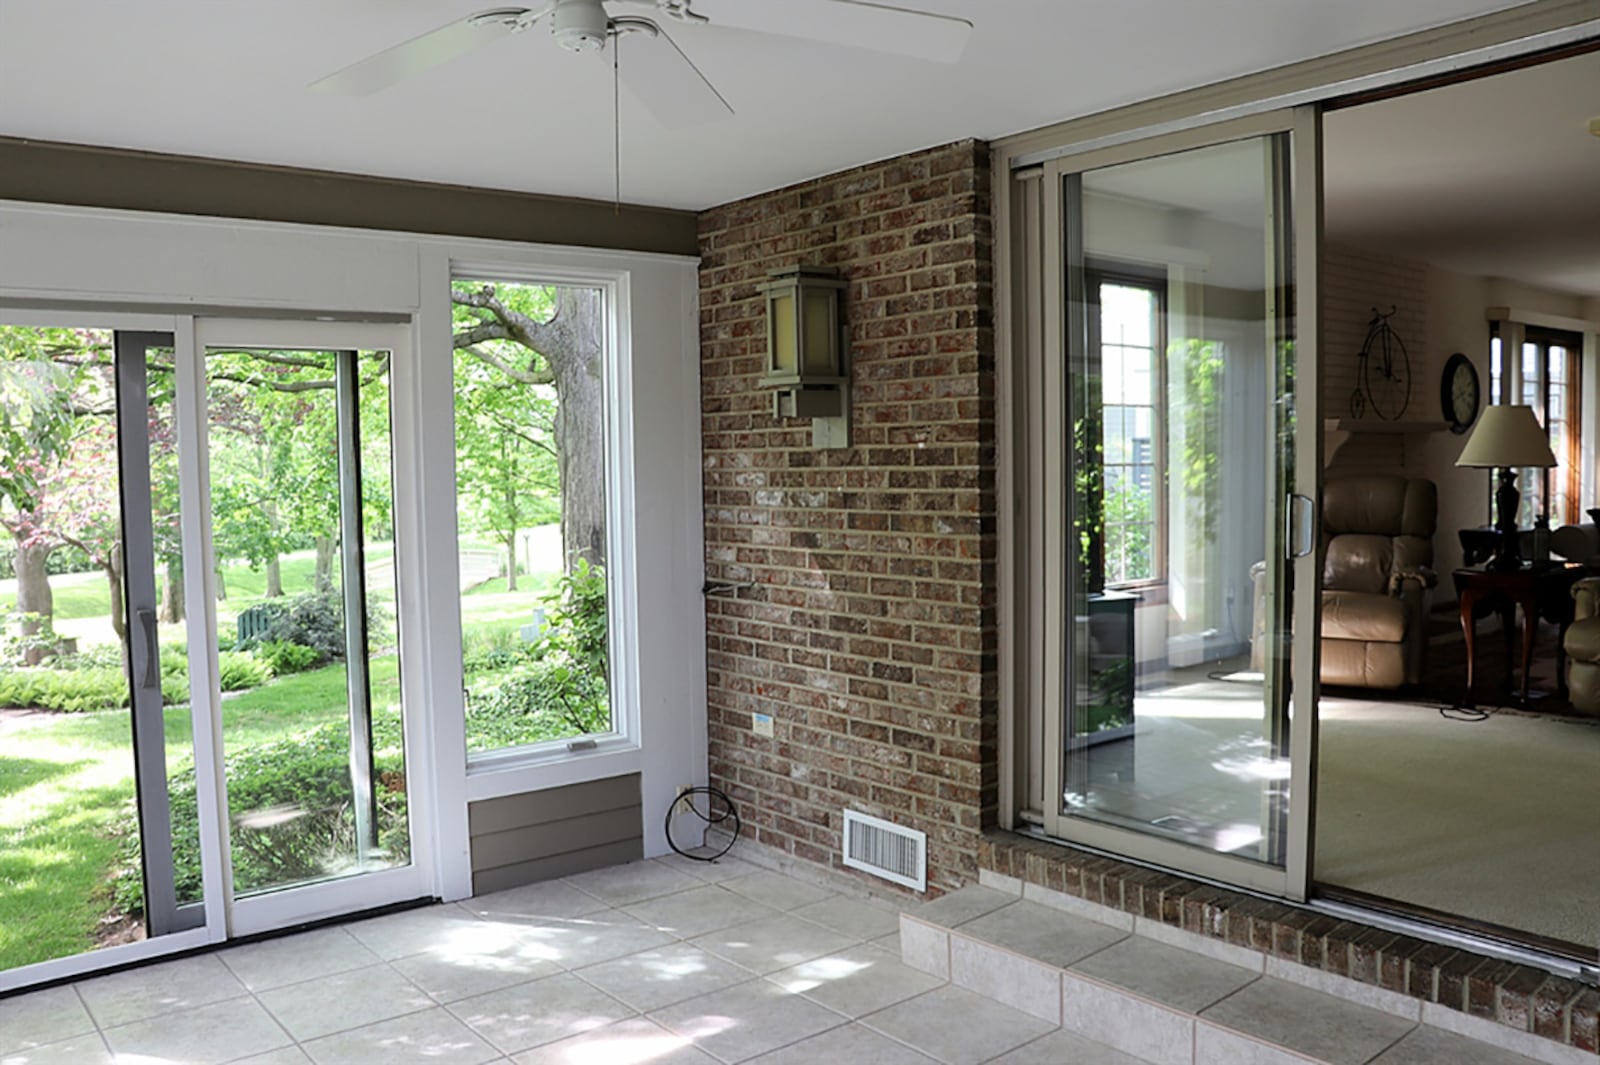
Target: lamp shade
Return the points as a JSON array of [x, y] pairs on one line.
[[1507, 436]]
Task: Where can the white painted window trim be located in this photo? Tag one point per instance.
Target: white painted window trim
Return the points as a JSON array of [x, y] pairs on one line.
[[149, 270]]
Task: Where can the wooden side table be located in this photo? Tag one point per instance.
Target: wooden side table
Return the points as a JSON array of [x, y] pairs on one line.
[[1538, 590]]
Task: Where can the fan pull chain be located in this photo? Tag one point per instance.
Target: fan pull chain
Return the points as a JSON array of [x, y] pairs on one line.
[[616, 118]]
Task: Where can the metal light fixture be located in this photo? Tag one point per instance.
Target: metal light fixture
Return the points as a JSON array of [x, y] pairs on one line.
[[806, 352]]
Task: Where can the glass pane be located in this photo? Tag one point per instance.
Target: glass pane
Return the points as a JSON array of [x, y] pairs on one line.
[[71, 856], [1184, 379], [304, 553], [531, 513]]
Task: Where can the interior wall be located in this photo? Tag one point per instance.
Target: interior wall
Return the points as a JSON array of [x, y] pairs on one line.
[[868, 630], [75, 260], [1441, 312]]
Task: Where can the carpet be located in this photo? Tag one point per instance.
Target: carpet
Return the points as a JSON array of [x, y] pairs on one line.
[[1493, 819]]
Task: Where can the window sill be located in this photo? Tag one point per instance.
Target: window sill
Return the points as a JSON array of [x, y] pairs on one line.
[[520, 769]]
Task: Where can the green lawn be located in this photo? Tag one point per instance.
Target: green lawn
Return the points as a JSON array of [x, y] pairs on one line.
[[64, 786]]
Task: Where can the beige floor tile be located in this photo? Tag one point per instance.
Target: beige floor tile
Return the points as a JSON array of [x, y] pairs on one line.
[[334, 1003], [725, 868], [291, 1055], [699, 910], [957, 1027], [42, 1017], [80, 1050], [851, 1043], [528, 1015], [857, 981], [1311, 1022], [415, 1039], [778, 891], [595, 937], [620, 885], [959, 907], [1042, 933], [290, 959], [1177, 978], [153, 990], [412, 931], [448, 974], [773, 943], [632, 1042], [1427, 1046], [740, 1022], [219, 1032], [1066, 1048], [852, 917], [548, 898], [652, 979]]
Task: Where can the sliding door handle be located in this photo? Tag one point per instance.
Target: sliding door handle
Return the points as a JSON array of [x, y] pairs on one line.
[[152, 652], [1302, 525]]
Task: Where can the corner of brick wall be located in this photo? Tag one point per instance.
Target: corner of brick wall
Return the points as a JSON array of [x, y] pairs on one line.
[[869, 631]]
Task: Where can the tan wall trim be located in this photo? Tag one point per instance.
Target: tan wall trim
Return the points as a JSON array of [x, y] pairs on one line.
[[87, 176], [1325, 72]]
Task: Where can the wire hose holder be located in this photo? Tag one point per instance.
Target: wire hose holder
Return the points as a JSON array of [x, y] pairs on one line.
[[711, 815]]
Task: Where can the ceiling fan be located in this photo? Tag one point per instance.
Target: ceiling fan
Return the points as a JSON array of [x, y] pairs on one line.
[[658, 73]]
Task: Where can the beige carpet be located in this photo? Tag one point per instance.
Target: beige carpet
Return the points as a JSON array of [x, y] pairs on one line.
[[1495, 820]]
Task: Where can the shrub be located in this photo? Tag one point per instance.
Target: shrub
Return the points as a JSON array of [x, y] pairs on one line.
[[73, 691], [238, 670], [316, 620], [285, 657], [303, 782]]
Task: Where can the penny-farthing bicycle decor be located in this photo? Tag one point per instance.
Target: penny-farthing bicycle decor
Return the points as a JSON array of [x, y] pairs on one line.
[[1383, 376]]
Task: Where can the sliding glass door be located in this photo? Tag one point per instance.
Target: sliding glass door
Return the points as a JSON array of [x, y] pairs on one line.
[[96, 729], [1183, 461], [303, 555]]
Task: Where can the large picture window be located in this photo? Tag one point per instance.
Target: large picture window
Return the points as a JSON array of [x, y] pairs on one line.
[[531, 517], [1544, 375], [1129, 333]]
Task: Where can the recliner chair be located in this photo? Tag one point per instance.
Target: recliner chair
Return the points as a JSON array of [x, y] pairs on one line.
[[1378, 535]]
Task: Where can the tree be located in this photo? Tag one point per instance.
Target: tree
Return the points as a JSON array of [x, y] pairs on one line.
[[551, 336], [47, 383]]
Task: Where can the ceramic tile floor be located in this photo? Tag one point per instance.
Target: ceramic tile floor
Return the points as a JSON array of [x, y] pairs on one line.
[[664, 962]]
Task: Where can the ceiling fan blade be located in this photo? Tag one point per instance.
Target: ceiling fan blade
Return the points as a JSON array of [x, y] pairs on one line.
[[393, 65], [939, 38], [666, 82]]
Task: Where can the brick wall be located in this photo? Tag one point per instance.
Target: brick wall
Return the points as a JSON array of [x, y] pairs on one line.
[[869, 631]]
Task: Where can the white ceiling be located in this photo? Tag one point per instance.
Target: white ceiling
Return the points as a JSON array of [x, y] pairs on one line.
[[1498, 176], [227, 78]]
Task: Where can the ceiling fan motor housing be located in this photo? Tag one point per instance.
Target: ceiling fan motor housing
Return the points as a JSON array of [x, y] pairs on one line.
[[580, 25]]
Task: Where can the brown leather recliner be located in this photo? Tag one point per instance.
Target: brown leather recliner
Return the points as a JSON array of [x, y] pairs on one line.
[[1378, 535]]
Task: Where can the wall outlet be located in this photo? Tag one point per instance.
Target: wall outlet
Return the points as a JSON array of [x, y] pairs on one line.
[[762, 724]]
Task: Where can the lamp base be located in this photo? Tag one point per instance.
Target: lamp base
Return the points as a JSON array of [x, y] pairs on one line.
[[1506, 500]]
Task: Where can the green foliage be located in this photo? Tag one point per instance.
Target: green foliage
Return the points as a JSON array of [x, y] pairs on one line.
[[1200, 366], [1128, 540], [314, 620], [302, 785], [286, 656], [556, 688], [238, 671]]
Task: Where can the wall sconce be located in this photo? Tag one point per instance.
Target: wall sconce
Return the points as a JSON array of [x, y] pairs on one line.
[[806, 352]]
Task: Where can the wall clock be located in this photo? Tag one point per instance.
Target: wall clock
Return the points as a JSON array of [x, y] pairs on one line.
[[1458, 393]]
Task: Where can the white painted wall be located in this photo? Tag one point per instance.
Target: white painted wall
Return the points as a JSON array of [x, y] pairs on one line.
[[84, 260]]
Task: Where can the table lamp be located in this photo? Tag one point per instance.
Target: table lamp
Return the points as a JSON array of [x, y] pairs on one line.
[[1507, 438]]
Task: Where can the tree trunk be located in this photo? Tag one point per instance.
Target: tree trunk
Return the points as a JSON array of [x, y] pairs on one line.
[[580, 428], [274, 578], [172, 591], [324, 577], [511, 562], [33, 585], [222, 583]]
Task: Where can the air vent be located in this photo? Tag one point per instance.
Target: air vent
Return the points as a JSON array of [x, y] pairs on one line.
[[883, 848]]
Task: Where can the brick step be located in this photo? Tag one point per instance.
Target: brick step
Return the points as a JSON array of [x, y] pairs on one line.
[[1170, 997]]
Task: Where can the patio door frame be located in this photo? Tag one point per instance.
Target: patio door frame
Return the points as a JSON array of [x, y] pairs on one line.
[[301, 904], [171, 928], [1052, 616]]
